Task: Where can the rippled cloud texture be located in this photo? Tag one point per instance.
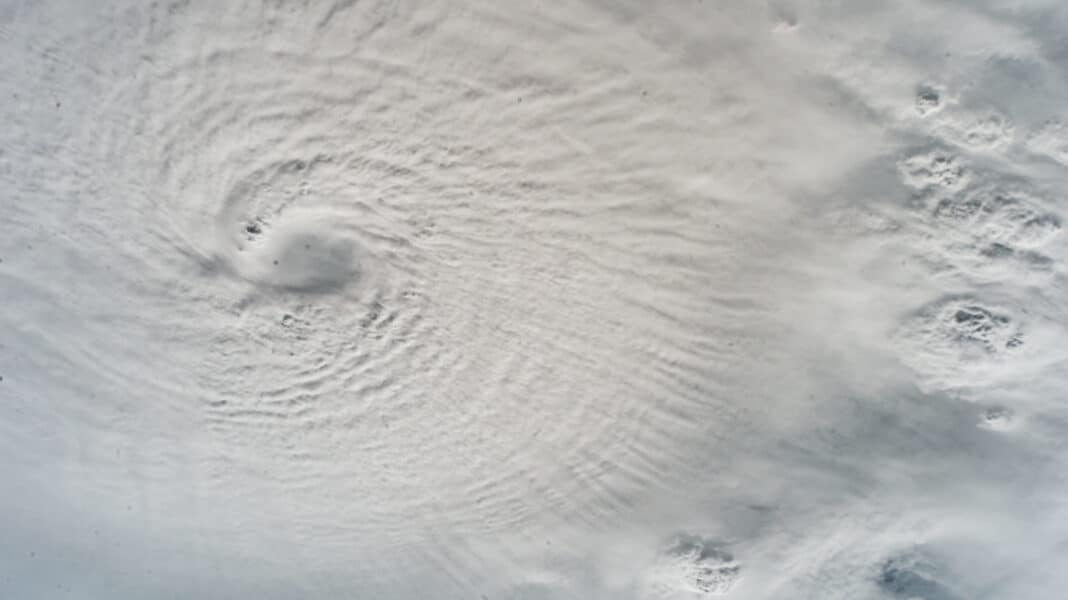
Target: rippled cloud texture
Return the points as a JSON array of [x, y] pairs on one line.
[[584, 299]]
